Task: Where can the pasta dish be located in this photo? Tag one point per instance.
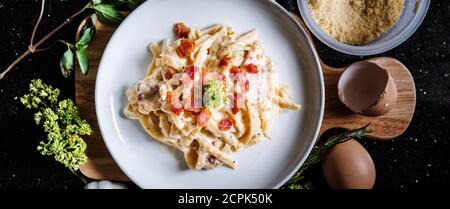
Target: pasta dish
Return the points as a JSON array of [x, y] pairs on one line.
[[209, 93]]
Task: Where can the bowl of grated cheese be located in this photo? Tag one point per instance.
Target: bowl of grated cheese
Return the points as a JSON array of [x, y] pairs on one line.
[[363, 28]]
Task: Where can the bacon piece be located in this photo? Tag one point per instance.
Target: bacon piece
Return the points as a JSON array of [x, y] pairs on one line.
[[225, 124], [168, 74], [192, 108], [181, 30], [186, 47], [169, 97]]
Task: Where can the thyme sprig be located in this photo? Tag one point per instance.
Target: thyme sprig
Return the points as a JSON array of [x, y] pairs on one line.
[[62, 122]]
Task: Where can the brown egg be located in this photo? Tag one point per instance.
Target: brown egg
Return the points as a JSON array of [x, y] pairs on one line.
[[348, 165], [367, 89]]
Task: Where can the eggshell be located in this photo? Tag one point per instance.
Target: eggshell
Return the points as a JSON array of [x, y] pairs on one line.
[[348, 165], [367, 89]]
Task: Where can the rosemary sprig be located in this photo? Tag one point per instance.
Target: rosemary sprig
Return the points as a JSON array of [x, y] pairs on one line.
[[318, 153]]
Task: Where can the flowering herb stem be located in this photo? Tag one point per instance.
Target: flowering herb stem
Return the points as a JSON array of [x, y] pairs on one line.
[[62, 122]]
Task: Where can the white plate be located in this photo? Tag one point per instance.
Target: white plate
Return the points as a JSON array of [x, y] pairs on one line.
[[269, 164]]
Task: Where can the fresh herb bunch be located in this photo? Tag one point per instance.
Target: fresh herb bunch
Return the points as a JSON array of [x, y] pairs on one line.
[[62, 123], [67, 61], [318, 153]]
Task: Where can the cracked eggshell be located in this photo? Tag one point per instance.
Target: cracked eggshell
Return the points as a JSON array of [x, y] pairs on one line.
[[367, 89]]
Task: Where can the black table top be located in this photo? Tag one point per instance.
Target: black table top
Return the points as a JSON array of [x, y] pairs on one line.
[[420, 158]]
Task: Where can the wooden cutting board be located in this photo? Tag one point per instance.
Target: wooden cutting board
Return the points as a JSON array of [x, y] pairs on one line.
[[101, 165]]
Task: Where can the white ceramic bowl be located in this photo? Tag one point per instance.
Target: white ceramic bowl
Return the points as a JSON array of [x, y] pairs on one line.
[[269, 164], [407, 24]]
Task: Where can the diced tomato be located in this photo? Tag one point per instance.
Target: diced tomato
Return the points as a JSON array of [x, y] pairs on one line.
[[204, 78], [246, 85], [181, 30], [251, 68], [235, 108], [186, 47], [219, 77], [225, 124], [169, 97], [235, 70], [177, 109], [168, 74], [203, 117], [224, 62]]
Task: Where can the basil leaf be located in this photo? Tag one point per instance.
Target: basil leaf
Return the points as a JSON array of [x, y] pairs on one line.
[[107, 13], [96, 1], [85, 39], [66, 63], [83, 61]]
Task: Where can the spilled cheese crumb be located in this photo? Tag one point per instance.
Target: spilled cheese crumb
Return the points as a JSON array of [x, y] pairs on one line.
[[356, 22]]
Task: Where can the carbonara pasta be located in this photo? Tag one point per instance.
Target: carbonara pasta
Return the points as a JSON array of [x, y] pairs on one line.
[[209, 93]]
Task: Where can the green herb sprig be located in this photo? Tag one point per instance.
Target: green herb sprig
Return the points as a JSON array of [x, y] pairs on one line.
[[318, 153], [62, 122]]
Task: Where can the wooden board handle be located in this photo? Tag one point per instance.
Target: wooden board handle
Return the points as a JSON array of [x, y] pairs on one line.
[[101, 165]]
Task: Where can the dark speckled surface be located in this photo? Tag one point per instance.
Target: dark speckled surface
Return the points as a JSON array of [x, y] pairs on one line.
[[420, 158]]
